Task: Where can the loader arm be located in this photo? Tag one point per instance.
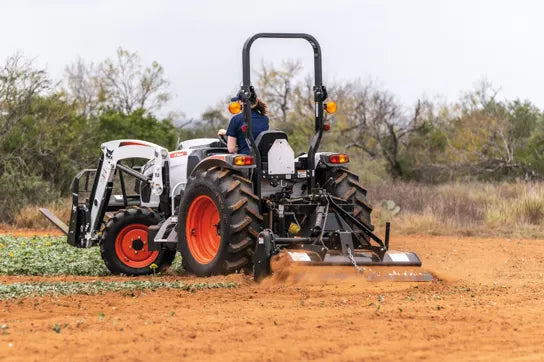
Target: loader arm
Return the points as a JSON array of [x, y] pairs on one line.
[[86, 217], [113, 152]]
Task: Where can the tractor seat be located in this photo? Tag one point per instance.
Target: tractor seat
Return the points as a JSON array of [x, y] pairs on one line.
[[266, 139]]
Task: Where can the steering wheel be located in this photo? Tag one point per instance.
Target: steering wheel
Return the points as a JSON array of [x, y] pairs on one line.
[[223, 139]]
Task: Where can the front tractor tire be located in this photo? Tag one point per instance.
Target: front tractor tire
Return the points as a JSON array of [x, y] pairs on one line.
[[219, 223], [124, 246]]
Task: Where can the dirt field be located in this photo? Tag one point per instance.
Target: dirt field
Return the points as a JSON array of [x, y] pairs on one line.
[[488, 305]]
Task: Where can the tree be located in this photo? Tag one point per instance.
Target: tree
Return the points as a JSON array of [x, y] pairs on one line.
[[214, 118], [38, 132], [51, 142], [136, 125], [121, 84], [276, 86], [83, 87], [489, 137], [290, 101], [20, 82], [378, 125]]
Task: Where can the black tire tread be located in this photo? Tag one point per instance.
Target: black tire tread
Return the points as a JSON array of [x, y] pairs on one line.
[[123, 218], [243, 214], [346, 186]]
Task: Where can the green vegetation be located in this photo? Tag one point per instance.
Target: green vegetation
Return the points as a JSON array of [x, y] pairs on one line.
[[477, 137], [49, 132], [47, 256], [21, 290], [52, 256]]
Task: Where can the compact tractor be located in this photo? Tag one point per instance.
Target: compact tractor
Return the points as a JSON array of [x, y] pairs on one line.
[[229, 212]]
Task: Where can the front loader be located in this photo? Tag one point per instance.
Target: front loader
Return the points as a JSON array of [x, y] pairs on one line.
[[118, 223]]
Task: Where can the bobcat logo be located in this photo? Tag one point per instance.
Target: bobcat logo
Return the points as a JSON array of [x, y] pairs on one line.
[[108, 153]]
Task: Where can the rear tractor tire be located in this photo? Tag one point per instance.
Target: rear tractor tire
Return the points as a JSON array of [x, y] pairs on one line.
[[347, 187], [219, 223], [124, 247]]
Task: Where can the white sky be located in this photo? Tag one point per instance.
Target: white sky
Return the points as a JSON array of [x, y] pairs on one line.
[[413, 48]]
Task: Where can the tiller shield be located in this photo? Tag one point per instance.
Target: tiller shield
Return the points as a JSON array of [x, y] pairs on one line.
[[396, 266]]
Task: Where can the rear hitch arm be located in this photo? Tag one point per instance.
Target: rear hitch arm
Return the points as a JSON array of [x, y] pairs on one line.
[[383, 245]]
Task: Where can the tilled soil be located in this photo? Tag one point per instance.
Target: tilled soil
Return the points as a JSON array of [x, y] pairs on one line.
[[487, 303]]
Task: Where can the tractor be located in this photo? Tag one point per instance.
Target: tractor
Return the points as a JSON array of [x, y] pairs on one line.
[[229, 213]]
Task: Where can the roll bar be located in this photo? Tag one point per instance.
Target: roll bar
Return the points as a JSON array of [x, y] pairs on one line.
[[247, 95]]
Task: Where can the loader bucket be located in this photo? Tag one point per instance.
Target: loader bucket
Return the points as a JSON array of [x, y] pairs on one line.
[[396, 266]]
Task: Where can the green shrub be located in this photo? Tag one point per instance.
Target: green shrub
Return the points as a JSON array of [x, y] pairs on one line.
[[19, 188]]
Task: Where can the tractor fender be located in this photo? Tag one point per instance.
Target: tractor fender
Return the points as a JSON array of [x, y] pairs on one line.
[[224, 161]]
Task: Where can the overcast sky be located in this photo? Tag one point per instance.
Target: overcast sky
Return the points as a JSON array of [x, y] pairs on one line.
[[413, 48]]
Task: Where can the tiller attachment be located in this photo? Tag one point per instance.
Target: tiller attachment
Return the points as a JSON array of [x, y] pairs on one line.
[[336, 248]]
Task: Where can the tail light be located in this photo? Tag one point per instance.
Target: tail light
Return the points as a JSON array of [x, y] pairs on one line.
[[243, 160], [339, 158]]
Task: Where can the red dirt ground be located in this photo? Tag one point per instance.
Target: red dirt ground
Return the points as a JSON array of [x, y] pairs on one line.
[[488, 305]]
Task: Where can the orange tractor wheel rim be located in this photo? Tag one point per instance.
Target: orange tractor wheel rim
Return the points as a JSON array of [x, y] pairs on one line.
[[132, 248], [202, 229]]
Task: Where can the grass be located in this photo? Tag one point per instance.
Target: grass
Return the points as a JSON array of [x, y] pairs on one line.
[[462, 208], [21, 290], [484, 209], [29, 217]]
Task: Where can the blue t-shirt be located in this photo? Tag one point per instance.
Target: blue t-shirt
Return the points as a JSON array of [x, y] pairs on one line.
[[259, 123]]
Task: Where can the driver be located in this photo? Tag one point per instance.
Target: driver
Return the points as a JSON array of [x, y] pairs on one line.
[[236, 141]]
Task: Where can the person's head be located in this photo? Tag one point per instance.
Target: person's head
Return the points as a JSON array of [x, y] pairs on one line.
[[260, 107]]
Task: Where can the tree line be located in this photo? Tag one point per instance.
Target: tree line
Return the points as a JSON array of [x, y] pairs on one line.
[[49, 129]]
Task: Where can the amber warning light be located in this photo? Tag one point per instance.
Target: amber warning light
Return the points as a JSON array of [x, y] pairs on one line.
[[331, 107], [235, 107]]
